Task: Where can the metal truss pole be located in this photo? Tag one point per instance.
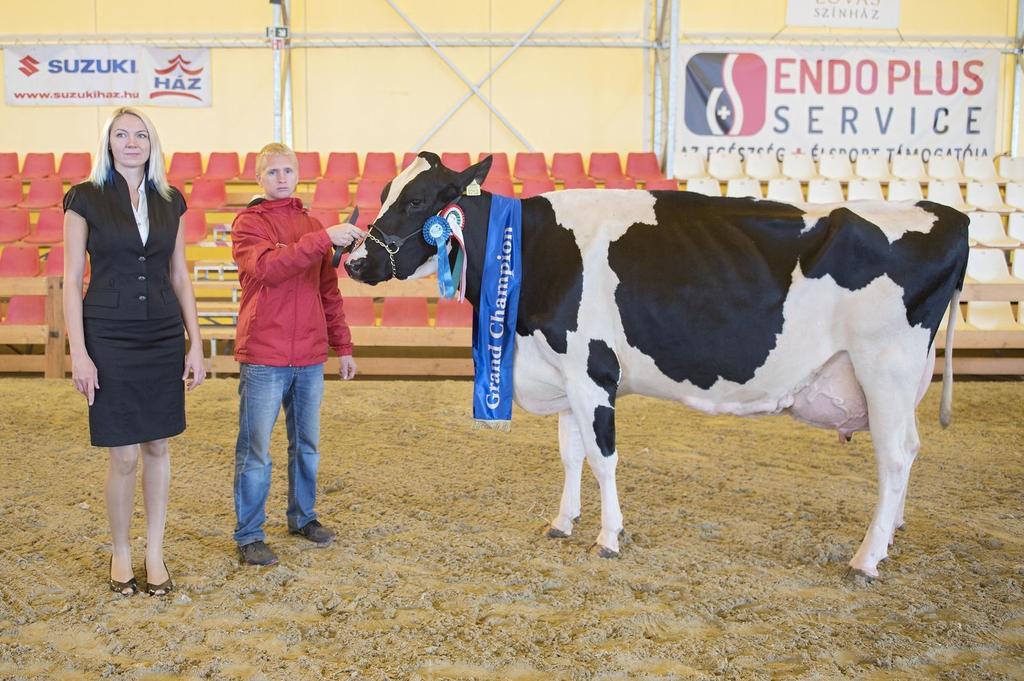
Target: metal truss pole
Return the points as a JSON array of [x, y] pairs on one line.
[[673, 80], [1018, 82], [280, 42]]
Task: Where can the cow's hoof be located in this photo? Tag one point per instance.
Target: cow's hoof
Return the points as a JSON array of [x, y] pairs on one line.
[[901, 527], [605, 552], [859, 577], [556, 533]]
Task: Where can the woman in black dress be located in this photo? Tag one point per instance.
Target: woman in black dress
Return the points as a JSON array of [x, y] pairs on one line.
[[127, 346]]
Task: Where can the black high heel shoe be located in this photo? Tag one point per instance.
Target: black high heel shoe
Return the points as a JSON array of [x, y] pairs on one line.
[[160, 589], [129, 588]]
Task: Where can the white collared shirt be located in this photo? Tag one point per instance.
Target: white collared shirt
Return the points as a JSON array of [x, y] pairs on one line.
[[142, 213]]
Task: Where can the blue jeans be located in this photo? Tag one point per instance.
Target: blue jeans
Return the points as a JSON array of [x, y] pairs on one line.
[[262, 391]]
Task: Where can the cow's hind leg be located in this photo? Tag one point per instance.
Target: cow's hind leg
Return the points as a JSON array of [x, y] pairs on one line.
[[890, 381], [570, 445]]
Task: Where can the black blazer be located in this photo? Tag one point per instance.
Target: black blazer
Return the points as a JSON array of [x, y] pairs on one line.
[[129, 280]]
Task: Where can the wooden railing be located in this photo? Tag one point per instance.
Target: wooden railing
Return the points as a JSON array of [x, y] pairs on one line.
[[426, 350]]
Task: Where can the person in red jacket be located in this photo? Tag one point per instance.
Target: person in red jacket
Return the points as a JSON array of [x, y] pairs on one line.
[[291, 311]]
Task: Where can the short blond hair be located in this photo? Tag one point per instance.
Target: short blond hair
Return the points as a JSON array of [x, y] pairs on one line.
[[274, 149]]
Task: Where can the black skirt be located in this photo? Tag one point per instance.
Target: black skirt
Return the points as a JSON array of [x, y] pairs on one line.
[[139, 365]]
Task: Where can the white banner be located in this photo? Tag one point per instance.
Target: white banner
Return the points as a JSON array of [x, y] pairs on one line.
[[89, 75], [844, 13], [822, 100]]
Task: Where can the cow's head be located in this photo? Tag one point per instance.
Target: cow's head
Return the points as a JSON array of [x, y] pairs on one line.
[[394, 246]]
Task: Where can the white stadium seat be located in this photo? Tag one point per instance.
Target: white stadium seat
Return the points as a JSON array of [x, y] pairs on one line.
[[762, 167], [786, 190], [945, 168], [981, 168], [992, 315], [908, 168], [987, 230], [864, 190], [1017, 266], [988, 265], [1015, 195], [946, 192], [905, 190], [708, 186], [1015, 226], [744, 187], [1011, 168], [688, 165], [985, 195], [961, 323], [799, 167], [725, 166], [835, 167], [824, 191], [872, 167]]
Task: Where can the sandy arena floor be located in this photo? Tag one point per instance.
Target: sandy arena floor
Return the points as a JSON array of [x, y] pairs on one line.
[[739, 531]]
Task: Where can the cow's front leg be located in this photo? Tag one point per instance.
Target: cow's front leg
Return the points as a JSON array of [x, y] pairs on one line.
[[570, 446], [593, 407]]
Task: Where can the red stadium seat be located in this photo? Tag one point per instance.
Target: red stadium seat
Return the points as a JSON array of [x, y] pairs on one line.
[[19, 261], [643, 166], [14, 225], [366, 216], [407, 159], [605, 166], [222, 165], [185, 165], [453, 313], [53, 262], [536, 186], [662, 184], [249, 167], [619, 183], [530, 165], [309, 165], [38, 165], [457, 161], [10, 192], [579, 183], [499, 185], [326, 217], [499, 164], [342, 165], [359, 311], [195, 225], [9, 164], [207, 193], [567, 166], [26, 310], [49, 227], [404, 312], [379, 165], [75, 166], [368, 193], [43, 193], [331, 193]]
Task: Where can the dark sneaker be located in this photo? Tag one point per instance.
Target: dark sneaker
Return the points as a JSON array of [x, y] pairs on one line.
[[316, 533], [257, 553]]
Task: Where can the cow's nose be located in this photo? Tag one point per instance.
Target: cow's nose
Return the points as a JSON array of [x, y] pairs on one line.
[[354, 267]]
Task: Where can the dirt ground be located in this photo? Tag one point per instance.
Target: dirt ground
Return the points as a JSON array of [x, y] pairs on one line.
[[739, 531]]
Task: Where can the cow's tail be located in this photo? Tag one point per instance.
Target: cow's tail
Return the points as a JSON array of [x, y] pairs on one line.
[[946, 403]]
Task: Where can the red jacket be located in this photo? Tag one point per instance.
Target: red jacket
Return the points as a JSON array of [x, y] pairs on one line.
[[291, 307]]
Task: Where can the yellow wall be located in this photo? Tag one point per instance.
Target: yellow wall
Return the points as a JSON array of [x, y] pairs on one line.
[[367, 99]]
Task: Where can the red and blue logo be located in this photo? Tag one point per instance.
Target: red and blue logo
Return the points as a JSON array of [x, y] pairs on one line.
[[726, 93]]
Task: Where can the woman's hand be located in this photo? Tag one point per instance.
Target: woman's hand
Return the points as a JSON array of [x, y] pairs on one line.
[[347, 367], [196, 364], [84, 376]]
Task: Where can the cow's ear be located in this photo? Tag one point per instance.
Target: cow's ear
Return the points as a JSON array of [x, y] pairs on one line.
[[433, 159], [476, 172]]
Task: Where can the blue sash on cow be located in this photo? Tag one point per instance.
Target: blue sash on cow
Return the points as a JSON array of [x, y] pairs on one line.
[[495, 325]]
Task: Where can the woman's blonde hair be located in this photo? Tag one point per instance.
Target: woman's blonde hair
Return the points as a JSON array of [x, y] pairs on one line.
[[103, 165], [274, 149]]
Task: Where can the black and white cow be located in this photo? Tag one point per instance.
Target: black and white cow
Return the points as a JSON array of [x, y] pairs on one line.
[[739, 306]]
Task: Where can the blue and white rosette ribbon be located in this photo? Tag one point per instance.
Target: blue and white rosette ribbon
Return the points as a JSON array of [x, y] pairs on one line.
[[437, 232]]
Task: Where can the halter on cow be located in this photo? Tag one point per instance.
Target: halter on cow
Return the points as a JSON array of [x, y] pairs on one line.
[[825, 312]]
